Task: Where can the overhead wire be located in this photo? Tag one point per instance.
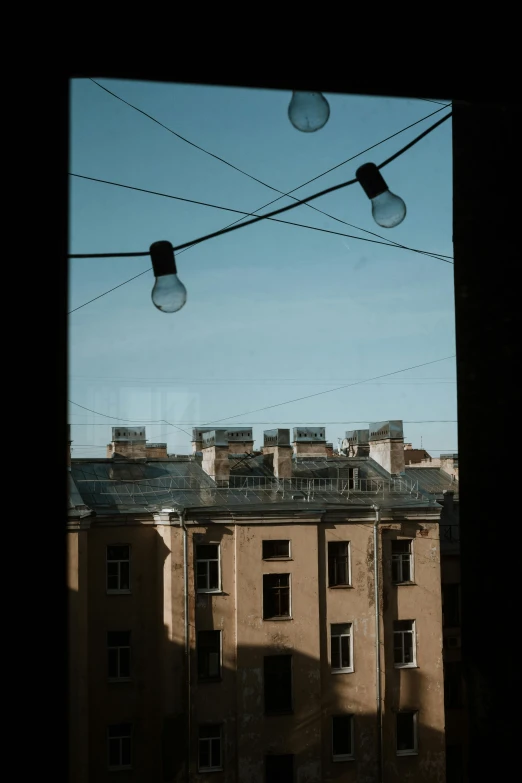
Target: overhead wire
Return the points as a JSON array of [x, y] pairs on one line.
[[437, 256], [280, 211], [251, 176], [145, 271]]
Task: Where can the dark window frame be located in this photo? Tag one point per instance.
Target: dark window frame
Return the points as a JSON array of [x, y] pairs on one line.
[[275, 543], [402, 560], [338, 633], [277, 597], [212, 576], [349, 753], [339, 563], [215, 730], [118, 565], [122, 739], [413, 749], [277, 694], [114, 654], [205, 649]]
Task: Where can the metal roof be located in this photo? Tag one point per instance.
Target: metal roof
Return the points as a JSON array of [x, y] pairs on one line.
[[434, 480], [111, 487]]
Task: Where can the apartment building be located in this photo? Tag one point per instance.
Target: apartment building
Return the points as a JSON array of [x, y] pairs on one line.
[[241, 615]]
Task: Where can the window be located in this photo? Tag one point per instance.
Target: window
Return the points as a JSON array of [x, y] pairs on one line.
[[402, 565], [209, 655], [453, 684], [276, 595], [118, 655], [342, 737], [278, 683], [406, 733], [118, 569], [279, 769], [119, 741], [209, 749], [404, 643], [451, 606], [338, 563], [207, 568], [276, 550], [341, 648]]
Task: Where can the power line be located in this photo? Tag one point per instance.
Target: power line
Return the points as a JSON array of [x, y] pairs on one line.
[[437, 256], [274, 212], [328, 391], [240, 380], [279, 404], [250, 176], [252, 423], [145, 271]]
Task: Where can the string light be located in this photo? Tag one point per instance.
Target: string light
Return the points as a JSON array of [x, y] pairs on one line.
[[388, 210], [169, 294], [308, 111]]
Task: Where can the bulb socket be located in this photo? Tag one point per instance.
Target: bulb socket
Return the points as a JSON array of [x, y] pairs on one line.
[[371, 180], [162, 257]]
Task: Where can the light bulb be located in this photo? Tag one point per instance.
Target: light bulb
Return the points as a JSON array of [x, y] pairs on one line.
[[169, 294], [308, 111], [388, 210]]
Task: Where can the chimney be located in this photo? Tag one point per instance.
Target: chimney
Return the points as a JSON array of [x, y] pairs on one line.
[[329, 450], [215, 456], [240, 439], [156, 451], [309, 441], [356, 443], [128, 443], [387, 445], [277, 452], [449, 463]]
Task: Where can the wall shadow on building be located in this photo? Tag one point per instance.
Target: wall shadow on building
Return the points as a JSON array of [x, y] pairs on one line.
[[166, 722]]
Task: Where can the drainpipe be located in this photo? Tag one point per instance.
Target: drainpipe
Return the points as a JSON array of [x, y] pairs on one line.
[[181, 515], [377, 639]]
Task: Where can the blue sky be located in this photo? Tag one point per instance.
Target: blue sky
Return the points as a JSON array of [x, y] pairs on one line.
[[273, 312]]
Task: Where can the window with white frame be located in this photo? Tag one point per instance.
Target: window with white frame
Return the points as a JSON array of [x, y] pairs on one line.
[[119, 738], [276, 549], [406, 733], [208, 571], [276, 596], [404, 643], [402, 560], [342, 737], [118, 568], [118, 655], [209, 748], [341, 647]]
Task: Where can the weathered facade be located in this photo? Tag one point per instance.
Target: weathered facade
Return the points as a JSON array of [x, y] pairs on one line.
[[224, 624]]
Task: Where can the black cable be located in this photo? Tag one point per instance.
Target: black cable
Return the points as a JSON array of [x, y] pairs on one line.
[[274, 212], [329, 391], [246, 174], [437, 256]]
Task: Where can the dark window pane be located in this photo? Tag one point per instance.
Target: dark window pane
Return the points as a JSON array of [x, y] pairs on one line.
[[214, 575], [396, 570], [278, 683], [125, 662], [342, 735], [126, 752], [276, 595], [403, 625], [337, 563], [124, 576], [401, 546], [345, 652], [408, 648], [405, 731], [215, 752], [204, 753], [406, 575], [208, 654], [201, 571], [336, 656], [118, 638], [279, 769], [117, 553], [113, 663], [209, 732], [114, 752], [397, 651], [276, 549], [207, 551]]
